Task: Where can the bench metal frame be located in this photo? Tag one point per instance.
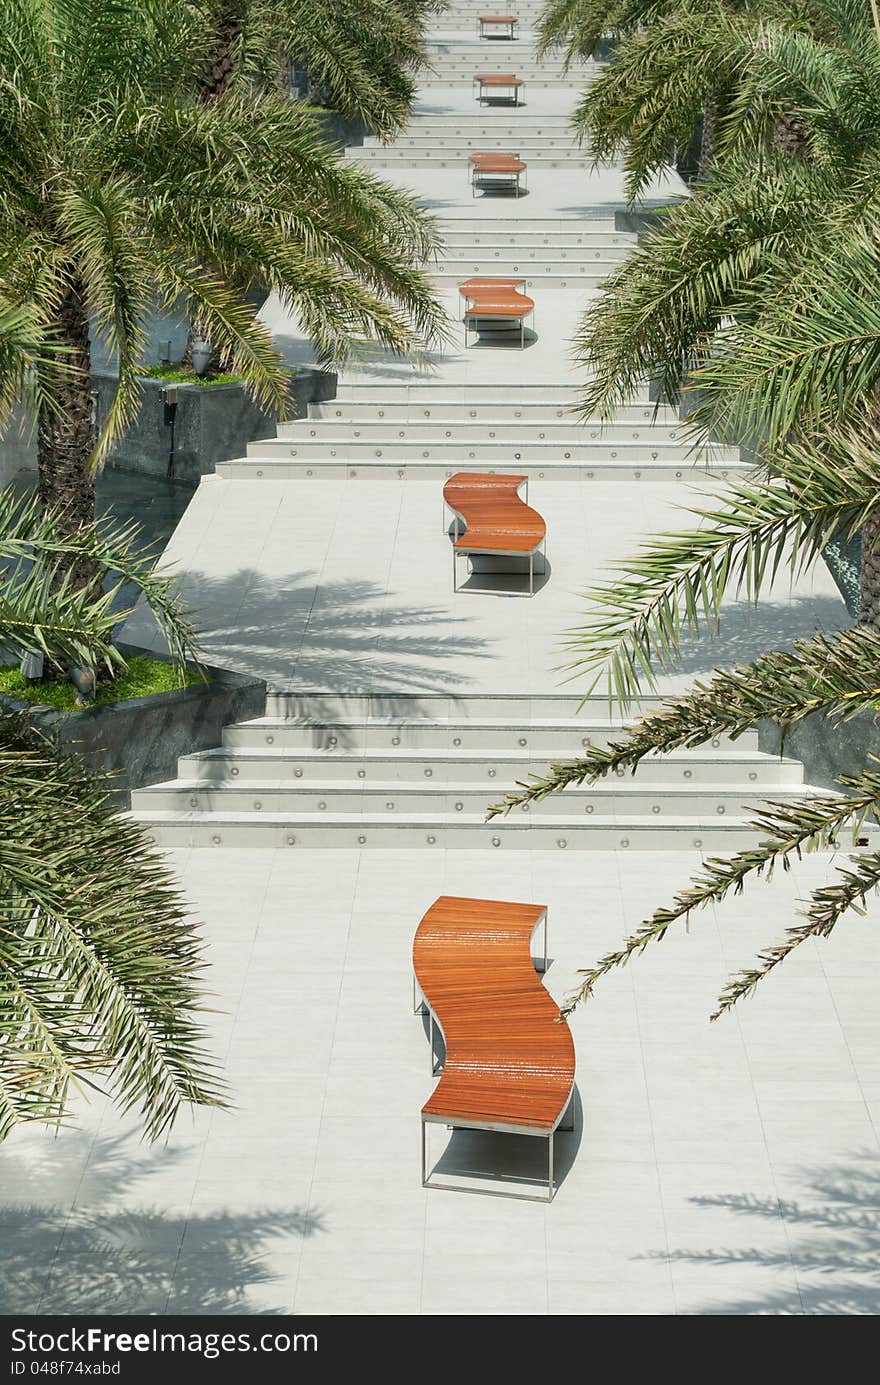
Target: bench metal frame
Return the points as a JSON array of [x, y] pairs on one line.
[[485, 89], [512, 26]]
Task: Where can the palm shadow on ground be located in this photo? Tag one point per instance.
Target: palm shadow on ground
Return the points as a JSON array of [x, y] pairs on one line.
[[108, 1253], [345, 635], [833, 1245]]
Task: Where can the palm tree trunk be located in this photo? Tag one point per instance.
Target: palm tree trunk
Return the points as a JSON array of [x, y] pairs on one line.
[[869, 613], [223, 62], [64, 433], [707, 142]]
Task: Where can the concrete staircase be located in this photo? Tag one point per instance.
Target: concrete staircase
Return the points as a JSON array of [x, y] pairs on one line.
[[391, 431], [321, 770]]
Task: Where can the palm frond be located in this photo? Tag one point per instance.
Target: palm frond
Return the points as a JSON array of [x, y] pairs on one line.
[[100, 967], [788, 830]]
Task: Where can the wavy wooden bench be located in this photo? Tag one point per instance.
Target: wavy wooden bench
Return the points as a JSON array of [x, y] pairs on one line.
[[497, 521], [489, 82], [510, 1063], [496, 169], [498, 21], [495, 300]]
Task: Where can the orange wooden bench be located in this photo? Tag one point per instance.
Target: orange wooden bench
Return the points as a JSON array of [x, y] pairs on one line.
[[497, 522], [489, 82], [495, 168], [498, 21], [495, 300], [510, 1063]]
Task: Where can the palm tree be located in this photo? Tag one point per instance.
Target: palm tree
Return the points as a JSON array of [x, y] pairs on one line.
[[121, 192], [361, 54], [45, 611], [100, 967], [678, 71], [760, 292]]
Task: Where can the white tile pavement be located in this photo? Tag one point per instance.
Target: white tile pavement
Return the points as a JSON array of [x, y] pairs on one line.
[[716, 1169]]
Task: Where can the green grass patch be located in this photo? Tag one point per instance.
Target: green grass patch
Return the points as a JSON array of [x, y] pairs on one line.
[[179, 375], [141, 678]]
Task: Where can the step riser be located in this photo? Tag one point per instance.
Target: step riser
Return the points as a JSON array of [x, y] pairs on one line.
[[588, 264], [468, 434], [446, 159], [474, 802], [346, 411], [533, 837], [346, 740], [538, 241], [759, 775], [518, 396], [506, 454], [528, 141], [320, 469]]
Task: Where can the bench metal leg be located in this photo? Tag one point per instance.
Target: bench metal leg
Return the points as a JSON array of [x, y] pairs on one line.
[[550, 1168]]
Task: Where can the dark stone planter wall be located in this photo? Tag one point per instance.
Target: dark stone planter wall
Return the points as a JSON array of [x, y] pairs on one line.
[[207, 424], [140, 740], [825, 747]]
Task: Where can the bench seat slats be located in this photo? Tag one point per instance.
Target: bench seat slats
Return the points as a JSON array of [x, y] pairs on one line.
[[509, 1060]]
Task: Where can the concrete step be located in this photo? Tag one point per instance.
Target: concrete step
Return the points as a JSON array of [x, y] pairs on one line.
[[509, 234], [455, 155], [472, 801], [535, 269], [444, 831], [563, 432], [307, 466], [484, 257], [483, 121], [528, 137], [523, 227], [540, 736], [528, 449], [427, 390], [491, 769], [449, 411]]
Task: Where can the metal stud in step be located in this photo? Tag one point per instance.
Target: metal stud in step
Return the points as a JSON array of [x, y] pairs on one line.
[[361, 841], [258, 805], [655, 808], [457, 740], [720, 808], [270, 740], [588, 808], [429, 773], [322, 805], [194, 803], [624, 842], [362, 774], [432, 841], [562, 842], [297, 774], [496, 841], [217, 841], [458, 807], [395, 740], [234, 771], [753, 775]]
